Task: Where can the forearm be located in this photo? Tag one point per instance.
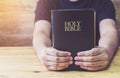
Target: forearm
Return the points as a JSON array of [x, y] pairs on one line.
[[41, 35], [110, 42], [109, 37], [40, 40]]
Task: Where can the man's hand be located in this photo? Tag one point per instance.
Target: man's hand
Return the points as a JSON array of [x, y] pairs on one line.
[[54, 59], [93, 60]]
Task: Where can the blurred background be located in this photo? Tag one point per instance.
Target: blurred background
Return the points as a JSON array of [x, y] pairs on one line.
[[17, 21]]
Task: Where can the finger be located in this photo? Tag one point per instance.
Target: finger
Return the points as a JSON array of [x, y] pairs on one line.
[[92, 52], [58, 53], [63, 54], [56, 68], [97, 68], [57, 59], [63, 64], [92, 64], [103, 56], [88, 59]]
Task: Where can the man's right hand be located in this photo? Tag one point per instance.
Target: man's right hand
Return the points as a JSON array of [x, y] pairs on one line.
[[55, 59]]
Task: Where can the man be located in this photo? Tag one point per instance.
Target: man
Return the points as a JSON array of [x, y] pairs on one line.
[[93, 60]]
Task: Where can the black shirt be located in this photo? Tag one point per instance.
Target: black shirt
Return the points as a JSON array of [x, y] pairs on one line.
[[104, 9]]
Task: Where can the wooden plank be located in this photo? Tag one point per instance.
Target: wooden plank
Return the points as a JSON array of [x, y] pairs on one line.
[[22, 62]]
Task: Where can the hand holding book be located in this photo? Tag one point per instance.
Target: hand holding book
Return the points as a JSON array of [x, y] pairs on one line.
[[93, 60], [73, 30], [55, 59]]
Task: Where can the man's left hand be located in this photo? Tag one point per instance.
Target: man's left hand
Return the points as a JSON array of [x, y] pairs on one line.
[[93, 60]]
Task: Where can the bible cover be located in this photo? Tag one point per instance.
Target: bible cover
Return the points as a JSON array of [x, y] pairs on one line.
[[73, 30]]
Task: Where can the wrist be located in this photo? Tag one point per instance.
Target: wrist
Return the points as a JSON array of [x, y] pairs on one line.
[[108, 51]]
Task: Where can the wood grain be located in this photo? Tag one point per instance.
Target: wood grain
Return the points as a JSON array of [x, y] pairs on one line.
[[22, 62], [16, 22]]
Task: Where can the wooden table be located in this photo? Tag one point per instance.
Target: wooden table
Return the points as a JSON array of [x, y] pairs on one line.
[[22, 62]]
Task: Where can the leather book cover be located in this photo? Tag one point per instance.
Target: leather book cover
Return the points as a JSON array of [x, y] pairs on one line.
[[73, 30]]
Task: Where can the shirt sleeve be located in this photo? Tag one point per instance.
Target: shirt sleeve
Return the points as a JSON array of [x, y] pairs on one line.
[[43, 10], [106, 10]]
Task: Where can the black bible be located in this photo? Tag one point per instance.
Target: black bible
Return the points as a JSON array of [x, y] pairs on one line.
[[73, 30]]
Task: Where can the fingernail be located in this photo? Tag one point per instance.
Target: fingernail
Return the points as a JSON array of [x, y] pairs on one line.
[[80, 54], [80, 59], [52, 68], [76, 63], [71, 62], [75, 58], [81, 66], [69, 54], [71, 58]]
